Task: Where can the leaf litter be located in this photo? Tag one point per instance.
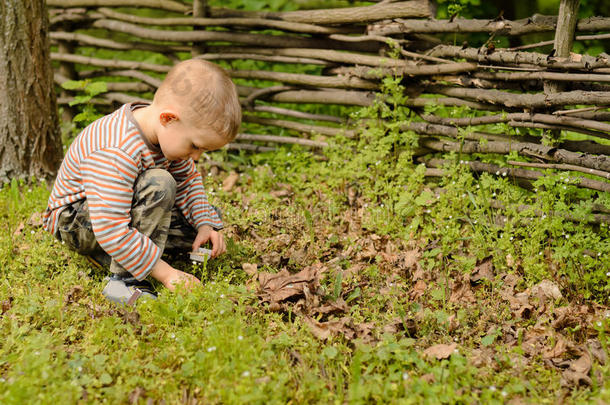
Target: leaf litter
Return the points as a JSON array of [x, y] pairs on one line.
[[304, 264]]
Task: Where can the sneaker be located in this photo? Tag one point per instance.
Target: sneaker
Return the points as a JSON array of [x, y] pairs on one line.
[[127, 290]]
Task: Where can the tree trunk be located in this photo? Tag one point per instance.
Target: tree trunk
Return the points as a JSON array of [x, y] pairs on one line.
[[30, 142]]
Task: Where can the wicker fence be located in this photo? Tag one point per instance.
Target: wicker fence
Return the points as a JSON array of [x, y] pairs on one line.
[[348, 52]]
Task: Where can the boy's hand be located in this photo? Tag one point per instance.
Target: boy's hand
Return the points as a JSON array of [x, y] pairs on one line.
[[206, 233], [171, 277]]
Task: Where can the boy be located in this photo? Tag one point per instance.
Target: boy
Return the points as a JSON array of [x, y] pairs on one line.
[[128, 187]]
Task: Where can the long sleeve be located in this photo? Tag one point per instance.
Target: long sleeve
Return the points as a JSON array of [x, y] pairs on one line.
[[108, 176], [191, 198]]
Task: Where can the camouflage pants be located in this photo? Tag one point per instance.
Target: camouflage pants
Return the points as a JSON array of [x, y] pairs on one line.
[[153, 213]]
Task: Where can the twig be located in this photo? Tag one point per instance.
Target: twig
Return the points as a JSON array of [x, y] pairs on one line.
[[593, 172]]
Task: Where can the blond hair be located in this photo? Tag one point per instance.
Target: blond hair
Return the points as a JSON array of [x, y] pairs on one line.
[[204, 94]]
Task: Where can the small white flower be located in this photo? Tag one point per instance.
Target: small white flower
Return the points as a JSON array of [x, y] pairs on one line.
[[63, 243], [79, 369], [211, 349], [494, 194], [222, 295], [599, 254], [511, 238], [567, 180], [565, 188], [456, 351], [539, 253], [504, 393], [173, 336], [599, 323], [463, 195], [245, 374], [382, 205], [450, 216], [567, 236], [505, 219], [453, 182], [498, 173], [461, 162], [29, 190], [240, 337], [475, 221], [492, 387], [405, 376], [428, 211], [194, 262], [222, 311], [32, 232], [504, 174]]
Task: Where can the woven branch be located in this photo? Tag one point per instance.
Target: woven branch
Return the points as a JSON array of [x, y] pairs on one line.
[[230, 22], [574, 168], [282, 139], [596, 162], [476, 166], [297, 126], [348, 15], [168, 5], [575, 123], [534, 24], [509, 58], [274, 41]]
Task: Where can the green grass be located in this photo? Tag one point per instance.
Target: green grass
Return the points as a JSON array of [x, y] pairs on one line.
[[62, 342]]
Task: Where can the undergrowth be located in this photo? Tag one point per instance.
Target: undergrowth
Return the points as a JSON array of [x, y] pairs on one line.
[[406, 254]]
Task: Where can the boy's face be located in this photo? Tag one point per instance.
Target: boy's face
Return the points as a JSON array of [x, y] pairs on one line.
[[180, 140]]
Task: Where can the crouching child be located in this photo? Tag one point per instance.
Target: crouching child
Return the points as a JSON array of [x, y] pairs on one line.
[[128, 188]]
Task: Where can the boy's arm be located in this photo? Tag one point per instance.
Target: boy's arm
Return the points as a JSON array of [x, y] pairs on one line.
[[191, 198], [108, 176]]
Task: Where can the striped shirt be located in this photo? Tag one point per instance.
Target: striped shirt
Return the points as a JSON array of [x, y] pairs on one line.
[[102, 165]]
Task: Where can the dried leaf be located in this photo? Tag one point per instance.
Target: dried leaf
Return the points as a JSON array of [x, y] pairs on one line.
[[251, 269], [570, 378], [278, 287], [482, 271], [418, 289], [230, 181], [461, 292], [582, 365], [547, 289], [440, 351], [74, 295], [136, 395], [557, 351], [429, 378], [336, 306], [19, 229], [280, 193], [597, 351], [324, 330], [35, 220], [7, 305]]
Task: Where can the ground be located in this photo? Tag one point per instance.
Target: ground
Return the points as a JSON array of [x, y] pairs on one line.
[[314, 302]]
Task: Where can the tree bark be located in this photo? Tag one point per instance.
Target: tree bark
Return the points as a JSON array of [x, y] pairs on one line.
[[30, 142]]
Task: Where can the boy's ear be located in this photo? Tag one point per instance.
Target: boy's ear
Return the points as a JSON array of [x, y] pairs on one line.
[[166, 117]]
